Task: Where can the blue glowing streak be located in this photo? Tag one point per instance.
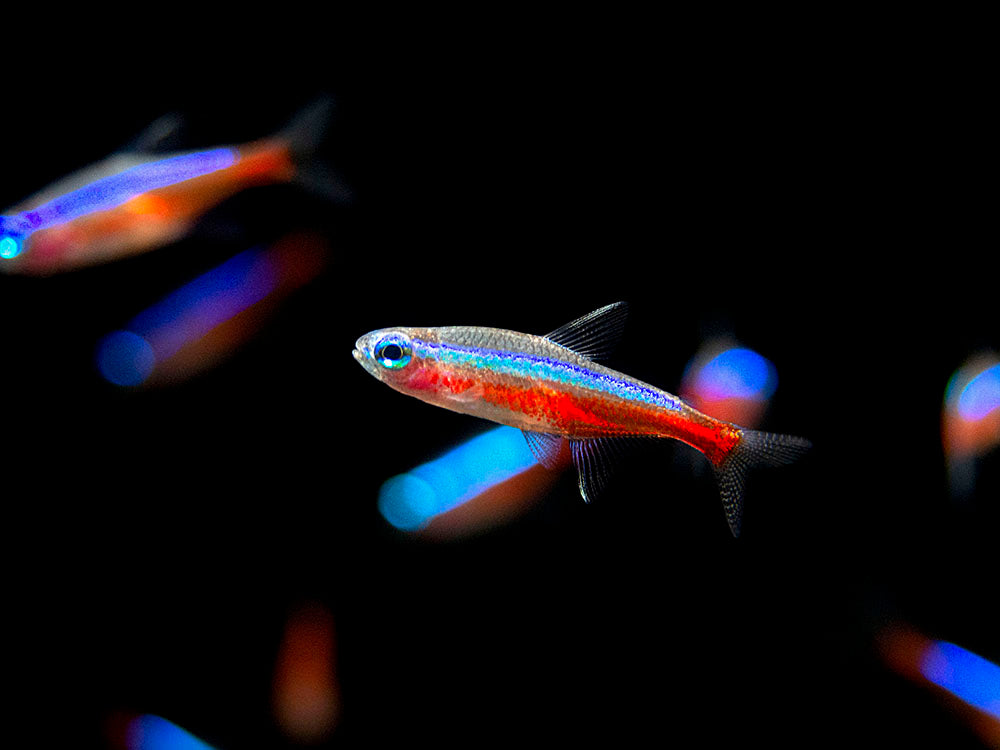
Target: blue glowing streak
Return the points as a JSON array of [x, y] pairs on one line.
[[981, 395], [409, 501], [963, 674], [114, 190], [149, 732], [128, 357], [208, 301], [737, 373]]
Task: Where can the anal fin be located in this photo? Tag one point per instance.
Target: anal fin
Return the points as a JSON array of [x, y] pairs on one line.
[[594, 459]]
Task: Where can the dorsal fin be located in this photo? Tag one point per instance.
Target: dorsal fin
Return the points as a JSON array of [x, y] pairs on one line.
[[161, 135], [596, 334]]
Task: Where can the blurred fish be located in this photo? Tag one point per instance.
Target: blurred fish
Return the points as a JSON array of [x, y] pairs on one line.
[[203, 321], [136, 201], [552, 388], [970, 420]]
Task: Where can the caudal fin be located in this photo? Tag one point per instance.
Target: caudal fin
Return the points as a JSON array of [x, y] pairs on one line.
[[304, 136], [754, 449]]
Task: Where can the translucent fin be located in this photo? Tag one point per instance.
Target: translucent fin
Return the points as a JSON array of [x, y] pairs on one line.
[[161, 135], [596, 334], [754, 449], [304, 136], [544, 447], [594, 460], [306, 130]]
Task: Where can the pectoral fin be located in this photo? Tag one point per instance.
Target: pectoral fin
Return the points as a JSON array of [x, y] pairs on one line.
[[544, 447]]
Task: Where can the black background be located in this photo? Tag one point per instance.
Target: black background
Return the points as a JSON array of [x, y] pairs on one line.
[[816, 187]]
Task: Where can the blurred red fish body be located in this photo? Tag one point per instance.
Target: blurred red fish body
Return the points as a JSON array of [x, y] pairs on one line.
[[132, 203]]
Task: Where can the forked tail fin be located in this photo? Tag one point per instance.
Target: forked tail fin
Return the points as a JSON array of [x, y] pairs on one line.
[[304, 136], [754, 449]]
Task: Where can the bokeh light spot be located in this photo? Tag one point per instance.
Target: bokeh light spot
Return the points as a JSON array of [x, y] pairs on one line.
[[125, 358], [409, 501], [150, 732], [964, 674], [981, 395], [737, 373]]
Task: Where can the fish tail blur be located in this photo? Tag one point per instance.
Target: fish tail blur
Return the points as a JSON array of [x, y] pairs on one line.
[[306, 130], [303, 136], [754, 449]]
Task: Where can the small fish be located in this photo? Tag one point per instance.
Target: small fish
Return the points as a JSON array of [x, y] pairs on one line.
[[553, 388], [136, 201]]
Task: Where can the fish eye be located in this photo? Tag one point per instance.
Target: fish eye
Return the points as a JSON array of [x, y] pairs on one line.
[[393, 352]]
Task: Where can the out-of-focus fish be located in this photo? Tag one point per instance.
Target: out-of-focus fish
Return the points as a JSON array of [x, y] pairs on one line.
[[552, 388], [133, 202]]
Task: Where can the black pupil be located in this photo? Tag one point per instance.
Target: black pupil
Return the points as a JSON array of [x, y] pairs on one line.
[[392, 352]]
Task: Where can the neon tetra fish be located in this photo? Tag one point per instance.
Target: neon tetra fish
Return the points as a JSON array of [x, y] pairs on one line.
[[134, 202], [553, 388]]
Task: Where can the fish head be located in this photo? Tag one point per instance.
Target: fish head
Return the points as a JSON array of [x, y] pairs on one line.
[[408, 360], [11, 238], [388, 354]]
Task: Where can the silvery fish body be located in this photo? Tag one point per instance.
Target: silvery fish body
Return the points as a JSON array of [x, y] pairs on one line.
[[553, 388]]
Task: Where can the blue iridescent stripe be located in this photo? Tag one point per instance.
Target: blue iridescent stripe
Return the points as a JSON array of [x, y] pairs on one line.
[[519, 364], [114, 190]]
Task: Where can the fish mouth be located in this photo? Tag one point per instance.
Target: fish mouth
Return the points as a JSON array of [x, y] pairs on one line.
[[359, 350], [363, 358]]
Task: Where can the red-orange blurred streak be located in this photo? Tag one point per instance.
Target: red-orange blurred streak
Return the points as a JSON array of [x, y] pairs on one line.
[[306, 693], [963, 437], [903, 649], [260, 163]]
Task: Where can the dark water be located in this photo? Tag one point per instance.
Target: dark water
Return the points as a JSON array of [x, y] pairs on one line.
[[825, 208]]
